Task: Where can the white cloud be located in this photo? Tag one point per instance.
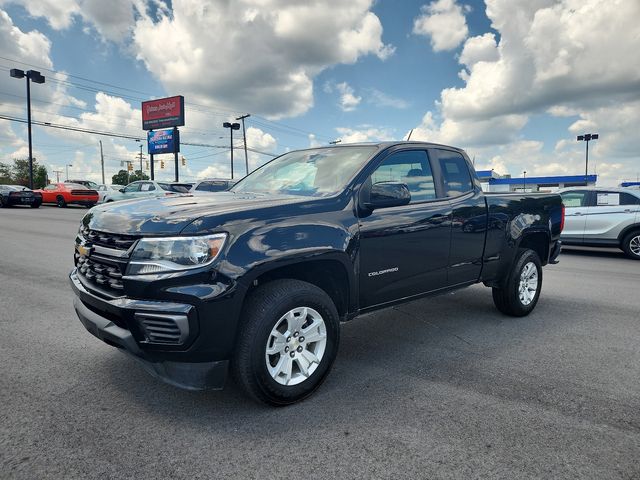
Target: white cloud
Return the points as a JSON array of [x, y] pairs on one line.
[[348, 99], [113, 19], [564, 58], [444, 22], [364, 133], [256, 55], [381, 99]]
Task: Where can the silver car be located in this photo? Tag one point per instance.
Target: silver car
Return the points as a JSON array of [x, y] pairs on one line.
[[145, 189], [602, 217]]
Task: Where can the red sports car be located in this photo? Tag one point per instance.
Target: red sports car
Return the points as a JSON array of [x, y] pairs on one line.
[[63, 194]]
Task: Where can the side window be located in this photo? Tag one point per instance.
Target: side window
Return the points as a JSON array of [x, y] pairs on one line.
[[147, 187], [132, 187], [411, 167], [628, 199], [455, 172], [607, 199], [51, 187], [203, 186], [574, 199]]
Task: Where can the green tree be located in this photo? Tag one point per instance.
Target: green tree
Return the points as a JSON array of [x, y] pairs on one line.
[[123, 177], [18, 173]]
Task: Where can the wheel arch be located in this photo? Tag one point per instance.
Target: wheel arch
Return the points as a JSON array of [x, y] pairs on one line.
[[331, 273]]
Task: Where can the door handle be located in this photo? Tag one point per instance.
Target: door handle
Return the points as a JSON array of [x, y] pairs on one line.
[[577, 214], [627, 210]]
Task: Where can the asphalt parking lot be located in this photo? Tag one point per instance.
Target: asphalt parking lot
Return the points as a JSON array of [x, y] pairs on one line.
[[440, 388]]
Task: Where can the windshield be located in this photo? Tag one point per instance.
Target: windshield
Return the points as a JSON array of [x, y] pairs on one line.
[[320, 172]]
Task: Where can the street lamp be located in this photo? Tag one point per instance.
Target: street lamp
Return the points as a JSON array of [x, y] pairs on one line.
[[231, 127], [586, 138], [524, 181], [70, 165], [32, 76]]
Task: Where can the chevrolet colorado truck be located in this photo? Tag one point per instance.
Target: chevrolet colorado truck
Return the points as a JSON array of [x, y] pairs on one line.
[[257, 279]]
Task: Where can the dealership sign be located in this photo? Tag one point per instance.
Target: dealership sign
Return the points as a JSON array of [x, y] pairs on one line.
[[163, 113], [163, 141]]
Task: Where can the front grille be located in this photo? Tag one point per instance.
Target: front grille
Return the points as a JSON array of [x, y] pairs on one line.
[[110, 240], [163, 328], [106, 264]]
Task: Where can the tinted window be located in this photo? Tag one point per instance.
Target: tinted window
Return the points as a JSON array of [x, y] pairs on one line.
[[173, 188], [455, 172], [628, 199], [411, 167], [212, 186], [574, 199], [132, 187]]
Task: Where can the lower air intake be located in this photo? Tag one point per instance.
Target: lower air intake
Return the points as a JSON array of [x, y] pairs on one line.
[[161, 328]]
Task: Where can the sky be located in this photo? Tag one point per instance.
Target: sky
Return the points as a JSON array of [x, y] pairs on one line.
[[513, 82]]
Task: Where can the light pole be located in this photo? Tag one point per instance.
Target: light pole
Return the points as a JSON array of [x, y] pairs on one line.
[[586, 138], [244, 136], [35, 76], [70, 165], [524, 181], [231, 127]]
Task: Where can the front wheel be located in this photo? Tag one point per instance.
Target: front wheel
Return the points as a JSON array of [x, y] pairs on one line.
[[631, 245], [60, 201], [521, 290], [287, 342]]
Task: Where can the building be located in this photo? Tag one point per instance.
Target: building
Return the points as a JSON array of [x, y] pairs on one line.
[[494, 182]]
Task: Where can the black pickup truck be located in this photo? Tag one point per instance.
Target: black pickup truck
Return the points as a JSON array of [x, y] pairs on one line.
[[259, 278]]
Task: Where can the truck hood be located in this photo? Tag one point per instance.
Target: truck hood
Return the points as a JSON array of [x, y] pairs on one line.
[[170, 215]]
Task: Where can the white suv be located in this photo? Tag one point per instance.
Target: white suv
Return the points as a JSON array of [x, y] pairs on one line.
[[602, 217]]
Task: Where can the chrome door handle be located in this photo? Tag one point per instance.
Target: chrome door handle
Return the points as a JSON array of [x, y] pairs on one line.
[[578, 213]]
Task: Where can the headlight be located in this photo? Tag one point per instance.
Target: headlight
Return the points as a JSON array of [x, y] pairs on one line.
[[158, 255]]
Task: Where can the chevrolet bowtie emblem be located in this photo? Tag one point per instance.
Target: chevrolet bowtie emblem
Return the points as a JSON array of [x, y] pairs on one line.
[[83, 251]]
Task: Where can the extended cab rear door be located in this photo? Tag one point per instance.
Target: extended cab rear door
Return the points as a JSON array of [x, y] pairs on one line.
[[469, 215], [404, 250]]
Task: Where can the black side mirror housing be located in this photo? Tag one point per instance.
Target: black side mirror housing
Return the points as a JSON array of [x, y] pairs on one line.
[[388, 194], [121, 190]]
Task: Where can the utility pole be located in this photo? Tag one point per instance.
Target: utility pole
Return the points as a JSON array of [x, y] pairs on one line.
[[244, 136], [57, 172], [70, 165], [524, 181], [141, 157], [102, 162]]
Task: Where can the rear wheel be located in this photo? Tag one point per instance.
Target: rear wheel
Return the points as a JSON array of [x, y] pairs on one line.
[[3, 203], [287, 343], [60, 201], [631, 245], [521, 290]]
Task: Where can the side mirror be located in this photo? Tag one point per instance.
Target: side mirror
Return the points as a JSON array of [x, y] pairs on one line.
[[388, 194], [121, 190]]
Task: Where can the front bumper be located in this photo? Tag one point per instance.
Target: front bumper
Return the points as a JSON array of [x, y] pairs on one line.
[[105, 319]]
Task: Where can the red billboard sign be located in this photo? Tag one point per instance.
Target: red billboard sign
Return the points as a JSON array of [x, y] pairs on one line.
[[163, 113]]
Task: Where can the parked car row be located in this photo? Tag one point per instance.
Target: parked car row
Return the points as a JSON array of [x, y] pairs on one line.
[[88, 193]]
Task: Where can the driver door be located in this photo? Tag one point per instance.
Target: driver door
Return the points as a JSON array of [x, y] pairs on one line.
[[404, 250]]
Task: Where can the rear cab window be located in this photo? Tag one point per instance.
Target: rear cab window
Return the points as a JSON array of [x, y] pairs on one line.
[[456, 177]]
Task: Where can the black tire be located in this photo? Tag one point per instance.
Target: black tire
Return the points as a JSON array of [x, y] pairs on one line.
[[35, 205], [631, 245], [3, 202], [507, 298], [263, 310], [60, 202]]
